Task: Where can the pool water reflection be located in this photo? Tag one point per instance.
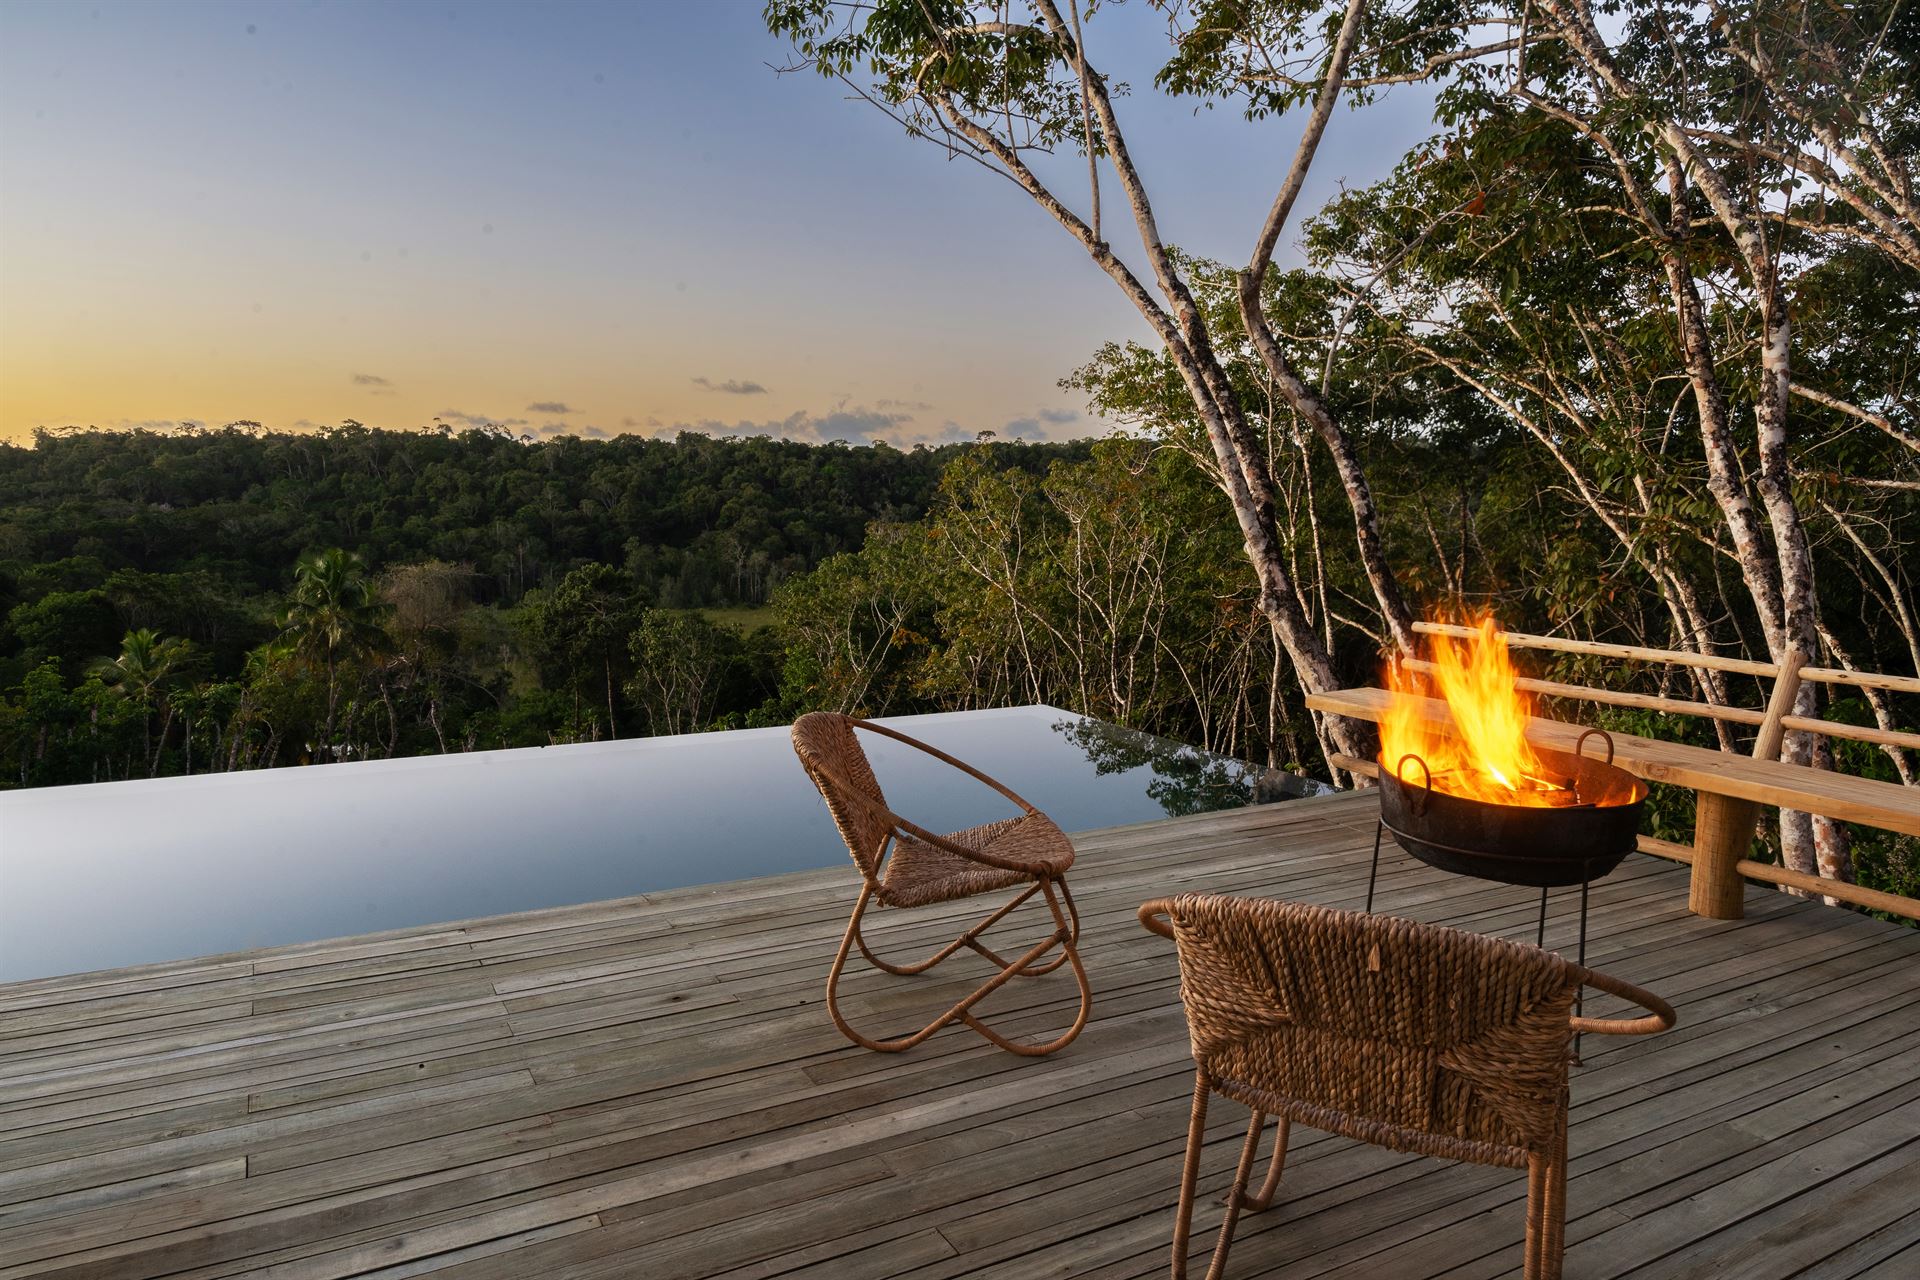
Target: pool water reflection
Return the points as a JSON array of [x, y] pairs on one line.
[[131, 872]]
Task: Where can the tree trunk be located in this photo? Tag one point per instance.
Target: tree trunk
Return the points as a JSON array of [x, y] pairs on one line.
[[1346, 461], [1241, 482], [613, 730], [1759, 568]]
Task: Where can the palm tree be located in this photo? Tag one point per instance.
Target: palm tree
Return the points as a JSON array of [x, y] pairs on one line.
[[333, 617], [147, 663]]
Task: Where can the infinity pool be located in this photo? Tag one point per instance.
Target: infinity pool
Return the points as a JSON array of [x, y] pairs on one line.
[[125, 873]]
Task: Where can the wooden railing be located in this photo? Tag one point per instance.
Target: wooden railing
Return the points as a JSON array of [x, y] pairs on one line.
[[1729, 808], [1787, 680]]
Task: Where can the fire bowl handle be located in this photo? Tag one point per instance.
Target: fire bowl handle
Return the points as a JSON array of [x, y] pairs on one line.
[[1579, 747], [1399, 771]]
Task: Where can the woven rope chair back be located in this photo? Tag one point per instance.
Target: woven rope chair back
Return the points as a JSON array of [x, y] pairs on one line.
[[830, 752], [1410, 1036]]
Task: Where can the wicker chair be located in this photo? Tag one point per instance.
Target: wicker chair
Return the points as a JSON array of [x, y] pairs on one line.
[[1409, 1036], [904, 865]]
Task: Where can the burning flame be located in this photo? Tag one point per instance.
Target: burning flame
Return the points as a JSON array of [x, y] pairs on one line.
[[1484, 755]]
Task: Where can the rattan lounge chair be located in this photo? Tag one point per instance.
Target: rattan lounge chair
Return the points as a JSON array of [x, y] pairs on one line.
[[1409, 1036], [904, 865]]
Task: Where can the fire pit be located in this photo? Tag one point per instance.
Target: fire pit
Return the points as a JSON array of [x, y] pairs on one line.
[[1470, 794], [1589, 828]]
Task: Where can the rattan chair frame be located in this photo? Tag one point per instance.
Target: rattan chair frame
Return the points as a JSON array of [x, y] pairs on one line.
[[1042, 879], [1556, 985]]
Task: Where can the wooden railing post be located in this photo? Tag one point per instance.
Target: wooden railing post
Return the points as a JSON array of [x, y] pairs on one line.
[[1723, 826], [1722, 837], [1786, 687]]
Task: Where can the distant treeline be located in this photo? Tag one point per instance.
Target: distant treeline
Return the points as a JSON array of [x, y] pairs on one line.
[[234, 598], [694, 520]]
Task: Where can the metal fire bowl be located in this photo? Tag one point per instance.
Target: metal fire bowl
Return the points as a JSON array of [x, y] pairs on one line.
[[1516, 844]]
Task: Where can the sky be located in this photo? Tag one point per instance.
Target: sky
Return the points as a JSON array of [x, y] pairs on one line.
[[570, 217]]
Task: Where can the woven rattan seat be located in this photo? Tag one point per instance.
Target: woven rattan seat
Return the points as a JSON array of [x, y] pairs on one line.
[[904, 865], [1417, 1038], [919, 873]]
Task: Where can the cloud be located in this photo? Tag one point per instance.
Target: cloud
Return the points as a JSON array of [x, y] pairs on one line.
[[549, 430], [907, 406], [478, 419], [370, 380], [160, 424], [884, 420], [1040, 425], [732, 386], [549, 406], [854, 425]]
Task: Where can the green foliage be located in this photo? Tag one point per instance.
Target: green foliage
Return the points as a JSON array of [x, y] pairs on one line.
[[1113, 586], [69, 626], [53, 731], [687, 669], [912, 54], [695, 520], [166, 611], [578, 633], [857, 629]]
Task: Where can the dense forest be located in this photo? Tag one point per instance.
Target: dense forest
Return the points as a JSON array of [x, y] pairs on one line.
[[238, 598]]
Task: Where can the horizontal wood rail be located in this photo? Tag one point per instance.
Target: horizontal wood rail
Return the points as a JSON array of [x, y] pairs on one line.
[[1631, 652], [1705, 710], [1858, 895], [1768, 873], [1642, 701], [1857, 732], [1355, 765], [1683, 658], [1667, 849]]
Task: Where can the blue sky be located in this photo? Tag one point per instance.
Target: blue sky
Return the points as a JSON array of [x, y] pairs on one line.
[[575, 216]]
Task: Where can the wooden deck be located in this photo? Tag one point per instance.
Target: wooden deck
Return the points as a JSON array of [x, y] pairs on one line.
[[651, 1088]]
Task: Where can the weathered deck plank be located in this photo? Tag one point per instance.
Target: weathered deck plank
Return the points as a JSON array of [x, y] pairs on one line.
[[651, 1087]]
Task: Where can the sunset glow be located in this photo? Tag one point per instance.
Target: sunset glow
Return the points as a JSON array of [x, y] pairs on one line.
[[597, 219]]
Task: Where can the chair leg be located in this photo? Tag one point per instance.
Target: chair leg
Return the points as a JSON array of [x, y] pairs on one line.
[[1190, 1175], [961, 1011], [1275, 1166], [1237, 1197], [833, 988], [1536, 1216], [1073, 939], [1065, 934], [1554, 1254], [966, 939], [1547, 1207]]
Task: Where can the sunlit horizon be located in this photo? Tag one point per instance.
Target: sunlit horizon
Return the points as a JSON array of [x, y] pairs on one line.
[[613, 219]]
